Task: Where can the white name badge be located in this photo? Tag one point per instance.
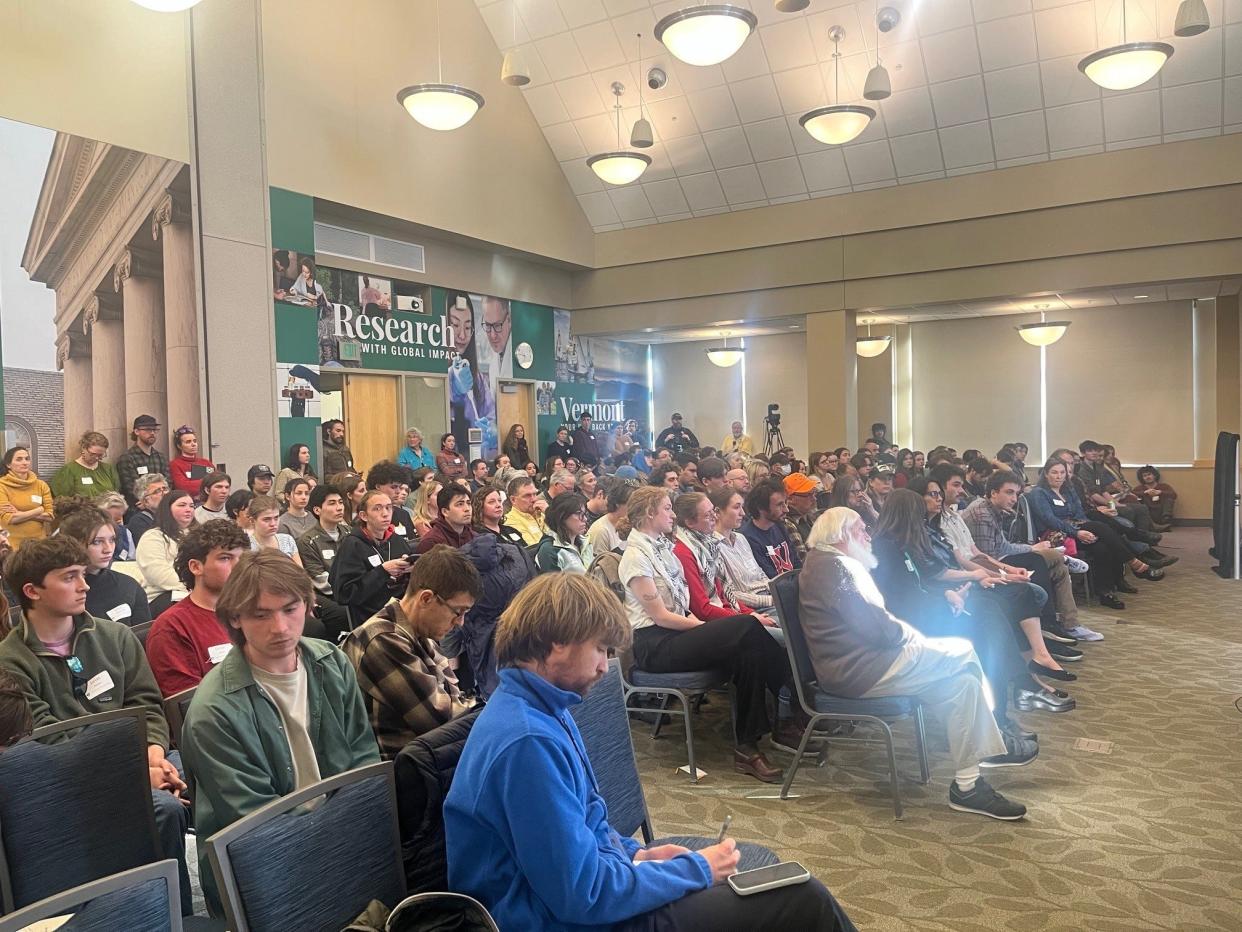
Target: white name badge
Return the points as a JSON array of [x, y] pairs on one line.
[[179, 594], [37, 499], [1058, 502], [328, 554], [117, 612], [1155, 498], [99, 684], [218, 652], [374, 559], [142, 470], [122, 555], [87, 480], [188, 474], [399, 529]]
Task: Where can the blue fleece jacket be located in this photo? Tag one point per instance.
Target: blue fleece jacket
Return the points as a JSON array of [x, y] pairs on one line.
[[527, 831]]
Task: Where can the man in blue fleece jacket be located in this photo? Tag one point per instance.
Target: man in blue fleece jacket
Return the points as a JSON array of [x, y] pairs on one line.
[[527, 830]]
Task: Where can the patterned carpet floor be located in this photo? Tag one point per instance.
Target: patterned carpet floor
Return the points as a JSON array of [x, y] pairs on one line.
[[1145, 836]]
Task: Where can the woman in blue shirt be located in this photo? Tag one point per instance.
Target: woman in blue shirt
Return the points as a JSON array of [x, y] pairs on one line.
[[1056, 509], [414, 454]]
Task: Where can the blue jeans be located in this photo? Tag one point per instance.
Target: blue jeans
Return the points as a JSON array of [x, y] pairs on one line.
[[172, 820]]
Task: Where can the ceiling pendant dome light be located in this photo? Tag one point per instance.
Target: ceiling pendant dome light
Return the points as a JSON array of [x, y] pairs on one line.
[[1044, 333], [870, 346], [167, 6], [440, 106], [622, 166], [725, 355], [840, 122], [706, 34], [1121, 67]]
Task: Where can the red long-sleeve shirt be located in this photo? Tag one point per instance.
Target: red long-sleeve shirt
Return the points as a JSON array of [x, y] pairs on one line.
[[700, 602], [183, 644]]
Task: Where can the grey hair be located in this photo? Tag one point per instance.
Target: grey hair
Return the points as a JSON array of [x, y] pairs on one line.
[[562, 477], [415, 430], [832, 528], [142, 483], [108, 499]]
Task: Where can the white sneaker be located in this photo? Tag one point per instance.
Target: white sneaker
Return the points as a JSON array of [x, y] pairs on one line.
[[1084, 633], [1075, 565]]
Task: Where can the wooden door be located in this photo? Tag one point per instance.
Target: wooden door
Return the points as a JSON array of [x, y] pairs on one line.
[[517, 408], [372, 410]]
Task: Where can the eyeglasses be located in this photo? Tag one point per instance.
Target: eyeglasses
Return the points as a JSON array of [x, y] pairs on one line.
[[457, 612], [931, 494], [495, 328]]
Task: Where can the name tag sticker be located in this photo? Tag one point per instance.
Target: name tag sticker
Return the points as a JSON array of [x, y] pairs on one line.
[[328, 554], [1155, 498], [87, 480], [374, 559], [142, 470], [399, 530], [37, 499], [218, 652], [179, 594], [189, 474], [99, 684], [122, 555], [909, 565], [117, 612], [1058, 502]]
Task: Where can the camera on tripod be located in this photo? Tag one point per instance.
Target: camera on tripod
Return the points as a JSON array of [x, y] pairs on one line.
[[773, 419]]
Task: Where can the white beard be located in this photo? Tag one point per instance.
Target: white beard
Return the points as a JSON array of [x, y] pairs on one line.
[[861, 553]]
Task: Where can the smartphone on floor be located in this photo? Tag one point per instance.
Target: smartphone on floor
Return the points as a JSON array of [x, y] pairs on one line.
[[771, 877]]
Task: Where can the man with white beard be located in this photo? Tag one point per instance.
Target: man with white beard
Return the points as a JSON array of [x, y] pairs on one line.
[[859, 650]]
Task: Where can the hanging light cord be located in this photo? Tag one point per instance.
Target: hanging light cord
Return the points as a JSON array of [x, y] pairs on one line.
[[439, 56]]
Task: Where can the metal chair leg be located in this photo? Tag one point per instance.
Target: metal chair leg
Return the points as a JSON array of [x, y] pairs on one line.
[[659, 716], [797, 761], [920, 745], [892, 768], [694, 770]]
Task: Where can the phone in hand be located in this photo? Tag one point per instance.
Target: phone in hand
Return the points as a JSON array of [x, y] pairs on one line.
[[771, 877]]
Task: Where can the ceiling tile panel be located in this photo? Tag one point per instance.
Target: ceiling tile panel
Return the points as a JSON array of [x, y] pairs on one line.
[[713, 108], [960, 101], [580, 12], [1066, 30], [560, 56], [742, 185], [1198, 58], [728, 147], [1233, 101], [565, 141], [1019, 135], [546, 104], [825, 170], [703, 192], [1007, 42], [1013, 90], [787, 44], [630, 202], [1075, 125], [598, 208], [769, 139], [801, 89], [688, 155], [580, 97], [967, 145], [599, 45], [666, 197], [909, 112], [917, 154], [1132, 116], [782, 178], [869, 162], [1191, 107], [950, 55], [996, 9], [541, 17], [672, 118], [756, 98]]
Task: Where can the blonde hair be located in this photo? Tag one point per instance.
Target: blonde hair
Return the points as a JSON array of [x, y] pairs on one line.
[[257, 572], [92, 438], [643, 503], [425, 509], [559, 608]]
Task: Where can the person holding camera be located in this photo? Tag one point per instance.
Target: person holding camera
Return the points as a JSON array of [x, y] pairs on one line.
[[371, 563], [677, 437]]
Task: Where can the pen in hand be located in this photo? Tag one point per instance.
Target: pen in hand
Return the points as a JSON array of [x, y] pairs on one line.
[[724, 827]]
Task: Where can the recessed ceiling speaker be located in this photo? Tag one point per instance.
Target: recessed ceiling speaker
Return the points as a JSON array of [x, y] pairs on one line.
[[887, 18]]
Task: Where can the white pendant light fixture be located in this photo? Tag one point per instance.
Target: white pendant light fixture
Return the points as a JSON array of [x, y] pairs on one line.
[[1044, 333], [706, 34], [792, 6], [870, 346], [1192, 19], [840, 122], [622, 166], [641, 136], [440, 106], [1121, 67], [878, 85], [513, 70], [167, 6], [725, 355]]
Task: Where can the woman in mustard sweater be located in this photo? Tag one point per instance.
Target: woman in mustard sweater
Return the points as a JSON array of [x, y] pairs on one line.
[[25, 499]]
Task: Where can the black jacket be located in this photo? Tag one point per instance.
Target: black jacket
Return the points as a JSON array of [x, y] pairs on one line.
[[503, 569], [563, 450], [585, 447], [424, 771], [359, 582], [140, 521], [110, 591]]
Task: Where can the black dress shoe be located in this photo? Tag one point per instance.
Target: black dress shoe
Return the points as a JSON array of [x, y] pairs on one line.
[[1125, 587], [1160, 561], [1063, 652], [1152, 573], [1109, 600], [1040, 670], [1055, 631]]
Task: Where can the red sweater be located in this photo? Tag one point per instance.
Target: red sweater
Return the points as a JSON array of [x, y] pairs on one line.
[[700, 603], [180, 467], [181, 644]]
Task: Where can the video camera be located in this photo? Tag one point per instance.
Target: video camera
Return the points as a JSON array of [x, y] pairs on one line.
[[773, 419]]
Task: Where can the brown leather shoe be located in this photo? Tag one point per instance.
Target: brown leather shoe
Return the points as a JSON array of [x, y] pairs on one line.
[[758, 767], [788, 734]]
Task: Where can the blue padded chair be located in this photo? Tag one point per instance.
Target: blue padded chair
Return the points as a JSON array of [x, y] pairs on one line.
[[821, 706], [278, 869], [605, 729], [77, 809], [144, 899], [688, 689]]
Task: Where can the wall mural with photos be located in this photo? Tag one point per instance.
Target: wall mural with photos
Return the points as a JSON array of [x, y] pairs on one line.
[[330, 318]]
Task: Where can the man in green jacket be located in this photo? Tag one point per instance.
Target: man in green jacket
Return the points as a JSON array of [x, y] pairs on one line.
[[278, 713], [70, 664]]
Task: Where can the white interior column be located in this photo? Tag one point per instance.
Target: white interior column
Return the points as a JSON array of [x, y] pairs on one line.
[[102, 319], [73, 358], [170, 225], [136, 279]]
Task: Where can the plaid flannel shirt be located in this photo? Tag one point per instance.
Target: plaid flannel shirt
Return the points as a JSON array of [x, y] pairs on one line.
[[985, 526]]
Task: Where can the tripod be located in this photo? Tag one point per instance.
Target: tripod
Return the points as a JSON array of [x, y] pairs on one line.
[[773, 441]]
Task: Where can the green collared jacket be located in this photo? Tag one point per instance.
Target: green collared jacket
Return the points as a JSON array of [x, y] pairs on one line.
[[234, 745]]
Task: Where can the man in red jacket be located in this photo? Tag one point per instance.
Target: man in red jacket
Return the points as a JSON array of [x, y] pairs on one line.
[[453, 526], [188, 639]]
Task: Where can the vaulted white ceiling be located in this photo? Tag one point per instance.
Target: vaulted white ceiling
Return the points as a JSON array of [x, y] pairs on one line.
[[977, 85]]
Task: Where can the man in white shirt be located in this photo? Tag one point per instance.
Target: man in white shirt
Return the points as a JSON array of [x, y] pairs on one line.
[[496, 323], [603, 534], [216, 486]]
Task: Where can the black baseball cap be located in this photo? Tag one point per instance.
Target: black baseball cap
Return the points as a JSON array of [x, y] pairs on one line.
[[259, 470], [676, 416], [145, 421]]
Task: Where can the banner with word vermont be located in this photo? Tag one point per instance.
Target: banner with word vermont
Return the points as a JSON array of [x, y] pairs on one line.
[[336, 320]]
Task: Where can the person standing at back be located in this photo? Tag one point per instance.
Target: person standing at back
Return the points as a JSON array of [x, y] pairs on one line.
[[25, 499], [88, 475], [142, 459], [337, 457]]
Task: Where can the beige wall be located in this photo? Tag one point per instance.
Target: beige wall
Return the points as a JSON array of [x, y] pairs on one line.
[[776, 373], [875, 391], [708, 397]]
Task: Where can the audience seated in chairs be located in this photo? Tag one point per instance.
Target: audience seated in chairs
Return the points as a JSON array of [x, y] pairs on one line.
[[667, 639], [800, 494], [278, 713], [607, 532], [452, 527], [565, 547], [527, 832], [148, 490], [188, 639], [524, 518], [745, 581], [862, 651], [317, 548], [371, 562], [70, 664], [112, 595], [765, 529], [504, 568], [157, 551], [698, 548], [407, 685]]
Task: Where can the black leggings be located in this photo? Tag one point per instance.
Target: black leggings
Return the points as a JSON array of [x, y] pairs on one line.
[[994, 639], [1039, 576], [1107, 557], [806, 906], [756, 663]]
